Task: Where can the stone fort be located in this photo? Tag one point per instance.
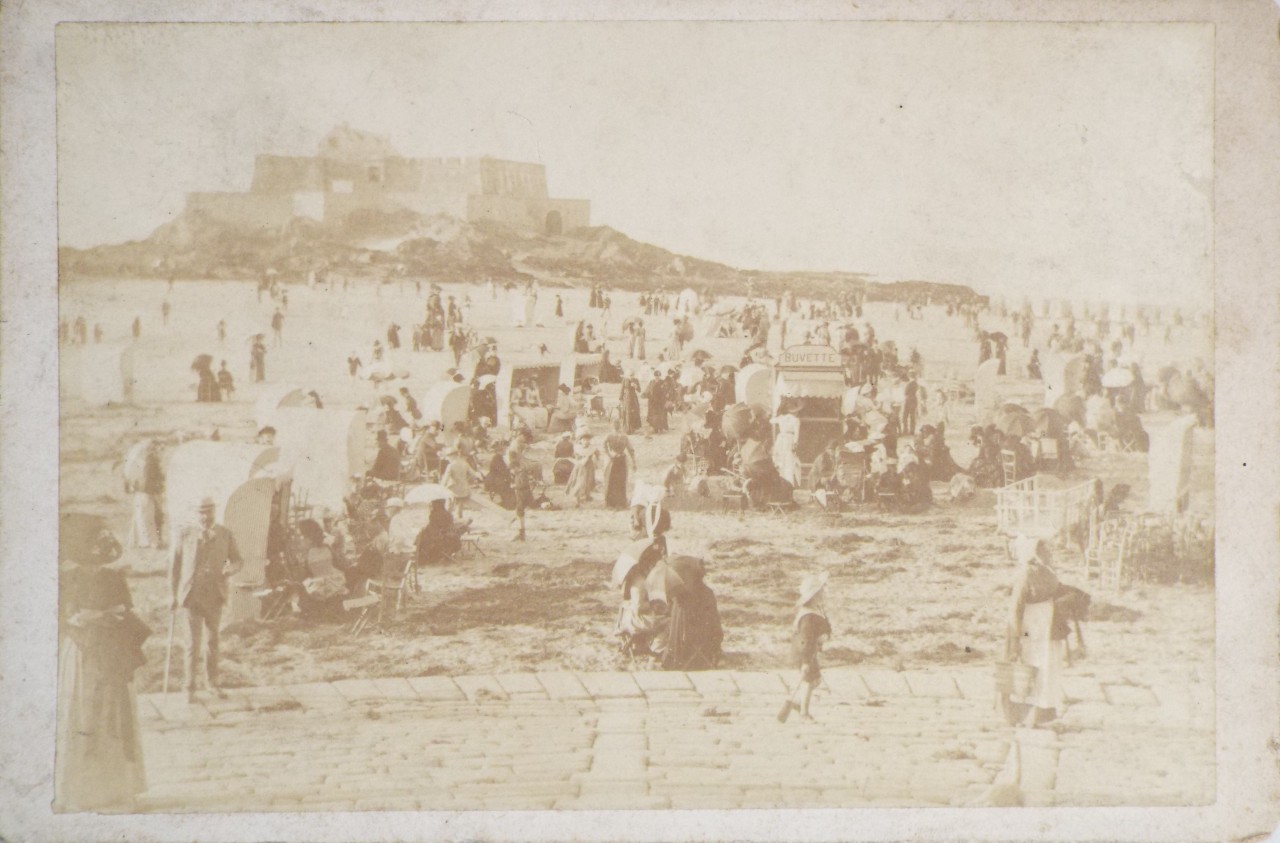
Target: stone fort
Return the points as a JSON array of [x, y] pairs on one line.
[[355, 170]]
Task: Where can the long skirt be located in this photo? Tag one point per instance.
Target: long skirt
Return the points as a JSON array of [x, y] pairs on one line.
[[582, 482], [1044, 654], [99, 752], [630, 414], [142, 526], [615, 483]]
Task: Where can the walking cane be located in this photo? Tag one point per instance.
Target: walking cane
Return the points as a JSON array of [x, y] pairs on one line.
[[168, 650]]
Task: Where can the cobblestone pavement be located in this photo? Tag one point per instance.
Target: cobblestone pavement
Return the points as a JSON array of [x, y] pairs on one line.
[[674, 740]]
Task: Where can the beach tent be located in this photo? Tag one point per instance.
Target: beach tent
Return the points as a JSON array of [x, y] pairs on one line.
[[545, 375], [577, 368], [985, 396], [103, 374], [248, 487], [754, 385], [273, 398], [1169, 466], [446, 402], [323, 449]]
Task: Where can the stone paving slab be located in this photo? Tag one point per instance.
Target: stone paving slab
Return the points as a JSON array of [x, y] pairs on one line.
[[436, 688], [670, 740], [611, 685], [479, 688]]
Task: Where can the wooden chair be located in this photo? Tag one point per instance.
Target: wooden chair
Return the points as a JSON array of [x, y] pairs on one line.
[[1009, 466], [470, 543], [384, 595]]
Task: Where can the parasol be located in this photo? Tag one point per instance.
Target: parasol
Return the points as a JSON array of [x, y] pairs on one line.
[[1049, 422], [691, 569], [202, 362], [664, 582], [389, 400], [997, 336], [426, 493], [727, 371], [1071, 408], [630, 557], [1010, 407], [1015, 424], [1117, 378], [698, 357], [486, 380], [380, 371]]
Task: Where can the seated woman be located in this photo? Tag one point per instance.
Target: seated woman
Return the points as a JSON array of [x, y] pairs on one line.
[[440, 539], [563, 454], [497, 480], [565, 413], [695, 633], [643, 622], [915, 493], [1129, 428], [323, 584]]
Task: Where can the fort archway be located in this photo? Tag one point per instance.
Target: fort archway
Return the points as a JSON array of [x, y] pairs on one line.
[[555, 225]]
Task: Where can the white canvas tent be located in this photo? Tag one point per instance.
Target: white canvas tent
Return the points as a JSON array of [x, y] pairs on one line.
[[1169, 466], [985, 396], [273, 398], [446, 402], [754, 385], [1063, 374], [578, 367], [243, 480], [546, 375], [322, 449]]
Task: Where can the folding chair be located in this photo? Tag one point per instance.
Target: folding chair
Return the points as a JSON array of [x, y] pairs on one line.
[[381, 593]]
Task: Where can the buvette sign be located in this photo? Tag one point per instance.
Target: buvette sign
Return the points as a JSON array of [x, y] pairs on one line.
[[809, 357]]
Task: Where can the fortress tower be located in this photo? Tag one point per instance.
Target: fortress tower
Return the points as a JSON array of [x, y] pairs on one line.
[[355, 170]]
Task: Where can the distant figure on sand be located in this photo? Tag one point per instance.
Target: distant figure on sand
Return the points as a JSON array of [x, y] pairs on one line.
[[277, 327], [136, 329], [258, 359]]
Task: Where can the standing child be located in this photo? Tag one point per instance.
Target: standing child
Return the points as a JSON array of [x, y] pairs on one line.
[[807, 631]]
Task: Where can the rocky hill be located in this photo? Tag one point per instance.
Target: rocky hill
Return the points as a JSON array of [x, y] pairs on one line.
[[373, 245]]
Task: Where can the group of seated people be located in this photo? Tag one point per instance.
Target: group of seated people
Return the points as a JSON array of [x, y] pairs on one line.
[[668, 613]]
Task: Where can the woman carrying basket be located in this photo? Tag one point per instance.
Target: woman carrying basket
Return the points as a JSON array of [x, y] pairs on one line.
[[1030, 639]]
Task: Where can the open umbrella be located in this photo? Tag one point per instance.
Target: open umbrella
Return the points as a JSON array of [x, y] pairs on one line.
[[630, 557], [1015, 424], [202, 362], [1071, 408], [389, 400], [664, 582], [698, 357], [1117, 378], [1049, 422], [426, 493], [997, 336]]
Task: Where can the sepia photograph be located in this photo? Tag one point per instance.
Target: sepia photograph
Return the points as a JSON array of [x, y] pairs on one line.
[[648, 415]]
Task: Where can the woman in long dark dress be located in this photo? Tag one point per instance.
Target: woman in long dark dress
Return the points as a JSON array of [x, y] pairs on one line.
[[617, 448], [656, 394], [99, 753], [629, 404]]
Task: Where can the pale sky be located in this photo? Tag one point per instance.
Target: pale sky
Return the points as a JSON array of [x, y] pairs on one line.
[[1039, 159]]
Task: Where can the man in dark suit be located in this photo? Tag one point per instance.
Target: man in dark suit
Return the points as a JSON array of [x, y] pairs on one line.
[[204, 557]]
